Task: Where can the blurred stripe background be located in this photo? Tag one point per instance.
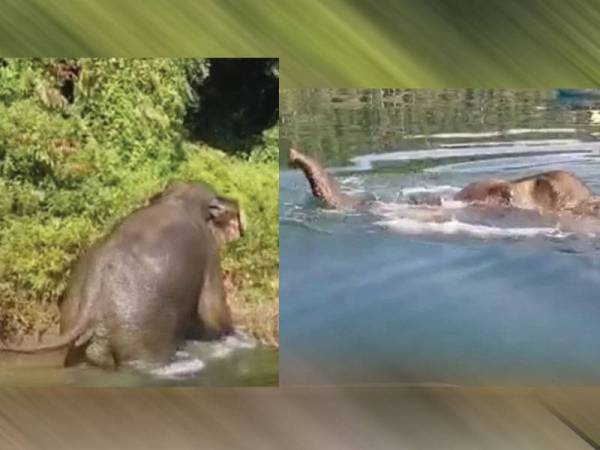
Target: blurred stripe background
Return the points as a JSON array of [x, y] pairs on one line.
[[312, 418], [367, 43]]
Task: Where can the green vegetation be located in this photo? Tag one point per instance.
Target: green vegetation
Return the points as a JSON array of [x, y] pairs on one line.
[[337, 124], [83, 143]]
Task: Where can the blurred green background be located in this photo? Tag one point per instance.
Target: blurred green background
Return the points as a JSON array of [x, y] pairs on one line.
[[370, 43], [335, 43]]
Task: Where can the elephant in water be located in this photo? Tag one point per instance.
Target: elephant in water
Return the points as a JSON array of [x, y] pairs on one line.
[[323, 186], [154, 281], [547, 192], [552, 191]]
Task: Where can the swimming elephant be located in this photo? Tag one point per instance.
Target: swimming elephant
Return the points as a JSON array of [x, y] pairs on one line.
[[553, 191], [154, 281]]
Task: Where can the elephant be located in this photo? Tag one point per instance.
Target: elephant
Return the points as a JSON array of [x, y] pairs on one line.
[[547, 192], [151, 283]]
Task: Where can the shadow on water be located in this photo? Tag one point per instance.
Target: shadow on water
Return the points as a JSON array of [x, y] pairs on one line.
[[448, 294]]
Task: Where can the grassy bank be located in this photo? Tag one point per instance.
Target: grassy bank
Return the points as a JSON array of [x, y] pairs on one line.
[[85, 142]]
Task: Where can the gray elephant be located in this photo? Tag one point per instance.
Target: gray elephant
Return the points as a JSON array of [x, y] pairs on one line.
[[154, 281], [546, 192]]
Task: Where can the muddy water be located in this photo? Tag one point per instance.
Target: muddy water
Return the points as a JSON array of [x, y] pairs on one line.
[[234, 361]]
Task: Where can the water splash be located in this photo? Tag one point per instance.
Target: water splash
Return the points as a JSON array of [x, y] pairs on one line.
[[239, 340], [183, 367], [455, 227], [196, 355], [429, 189]]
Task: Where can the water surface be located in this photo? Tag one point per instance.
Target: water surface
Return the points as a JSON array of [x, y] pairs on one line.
[[234, 361], [448, 295]]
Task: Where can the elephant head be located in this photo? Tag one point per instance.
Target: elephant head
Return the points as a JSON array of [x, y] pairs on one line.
[[224, 217], [496, 192], [227, 220]]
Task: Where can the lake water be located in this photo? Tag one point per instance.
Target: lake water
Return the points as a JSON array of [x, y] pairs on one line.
[[451, 295], [234, 361]]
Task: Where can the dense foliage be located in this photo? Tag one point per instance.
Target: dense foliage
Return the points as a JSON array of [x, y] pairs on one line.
[[243, 98], [82, 143]]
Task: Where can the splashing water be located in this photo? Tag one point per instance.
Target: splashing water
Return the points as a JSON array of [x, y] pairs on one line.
[[195, 355]]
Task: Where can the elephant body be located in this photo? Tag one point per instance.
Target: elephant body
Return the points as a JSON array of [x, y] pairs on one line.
[[153, 282], [552, 191], [547, 192]]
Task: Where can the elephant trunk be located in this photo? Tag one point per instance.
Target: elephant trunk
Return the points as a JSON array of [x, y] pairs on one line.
[[322, 185]]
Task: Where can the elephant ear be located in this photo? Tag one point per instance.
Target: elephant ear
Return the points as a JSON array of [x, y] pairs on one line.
[[226, 214]]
